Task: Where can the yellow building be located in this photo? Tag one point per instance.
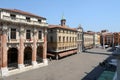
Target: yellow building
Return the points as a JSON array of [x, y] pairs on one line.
[[62, 40], [88, 40]]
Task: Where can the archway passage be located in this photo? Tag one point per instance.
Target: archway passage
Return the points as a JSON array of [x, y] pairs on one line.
[[12, 58], [39, 54], [28, 56]]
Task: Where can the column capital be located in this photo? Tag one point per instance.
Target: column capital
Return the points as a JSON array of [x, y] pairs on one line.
[[4, 29], [22, 30], [45, 31]]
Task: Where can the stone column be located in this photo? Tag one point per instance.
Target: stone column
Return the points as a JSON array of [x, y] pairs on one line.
[[0, 55], [21, 50], [34, 50], [103, 42], [4, 68], [45, 61]]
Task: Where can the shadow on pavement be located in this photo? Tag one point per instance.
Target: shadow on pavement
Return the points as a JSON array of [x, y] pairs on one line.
[[96, 53], [110, 50]]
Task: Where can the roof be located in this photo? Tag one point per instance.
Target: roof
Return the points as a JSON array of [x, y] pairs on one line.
[[62, 27], [22, 12], [91, 33]]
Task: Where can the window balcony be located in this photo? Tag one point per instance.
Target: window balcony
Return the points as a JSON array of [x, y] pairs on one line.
[[8, 18], [40, 40], [28, 41], [13, 41]]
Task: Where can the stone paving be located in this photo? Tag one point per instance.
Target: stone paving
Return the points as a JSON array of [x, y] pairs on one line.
[[74, 67]]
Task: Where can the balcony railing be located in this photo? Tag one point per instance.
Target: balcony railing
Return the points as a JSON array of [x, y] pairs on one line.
[[8, 18]]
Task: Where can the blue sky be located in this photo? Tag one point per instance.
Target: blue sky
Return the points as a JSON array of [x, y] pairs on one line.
[[93, 15]]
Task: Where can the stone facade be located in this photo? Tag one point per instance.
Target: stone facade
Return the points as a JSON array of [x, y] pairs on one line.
[[62, 40], [96, 39], [23, 40], [88, 40]]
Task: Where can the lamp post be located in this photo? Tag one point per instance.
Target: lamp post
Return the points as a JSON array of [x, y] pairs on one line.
[[113, 41], [103, 41]]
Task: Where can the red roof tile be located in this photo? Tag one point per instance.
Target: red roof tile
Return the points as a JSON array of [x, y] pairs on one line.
[[62, 27], [22, 12]]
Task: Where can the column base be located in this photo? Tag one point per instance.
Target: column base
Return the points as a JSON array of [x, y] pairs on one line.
[[34, 63], [21, 66], [79, 52], [4, 71], [45, 61]]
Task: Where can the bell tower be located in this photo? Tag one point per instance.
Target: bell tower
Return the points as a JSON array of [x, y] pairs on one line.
[[63, 21]]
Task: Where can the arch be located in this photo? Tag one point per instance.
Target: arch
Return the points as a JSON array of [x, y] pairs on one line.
[[39, 54], [28, 56], [12, 58]]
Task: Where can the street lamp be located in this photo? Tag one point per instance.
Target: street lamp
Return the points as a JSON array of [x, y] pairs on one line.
[[113, 41]]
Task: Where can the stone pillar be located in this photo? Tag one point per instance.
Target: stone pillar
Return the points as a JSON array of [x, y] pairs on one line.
[[45, 61], [21, 50], [4, 68], [34, 50], [1, 56], [103, 42]]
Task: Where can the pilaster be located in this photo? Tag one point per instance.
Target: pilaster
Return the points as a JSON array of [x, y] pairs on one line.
[[45, 61], [21, 49], [4, 47], [34, 56]]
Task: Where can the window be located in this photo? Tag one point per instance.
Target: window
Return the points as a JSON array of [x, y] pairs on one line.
[[59, 38], [13, 16], [28, 34], [73, 39], [51, 31], [67, 39], [40, 35], [63, 39], [13, 34], [39, 20], [70, 39], [28, 19], [51, 39]]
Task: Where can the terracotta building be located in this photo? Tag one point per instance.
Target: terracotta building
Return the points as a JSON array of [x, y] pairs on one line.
[[22, 40], [106, 38], [98, 38], [62, 40], [116, 38]]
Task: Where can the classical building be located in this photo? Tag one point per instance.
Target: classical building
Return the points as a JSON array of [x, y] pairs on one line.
[[106, 38], [116, 38], [88, 39], [96, 39], [22, 40], [62, 40]]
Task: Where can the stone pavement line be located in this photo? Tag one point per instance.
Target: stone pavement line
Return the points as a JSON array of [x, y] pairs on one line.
[[72, 67]]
